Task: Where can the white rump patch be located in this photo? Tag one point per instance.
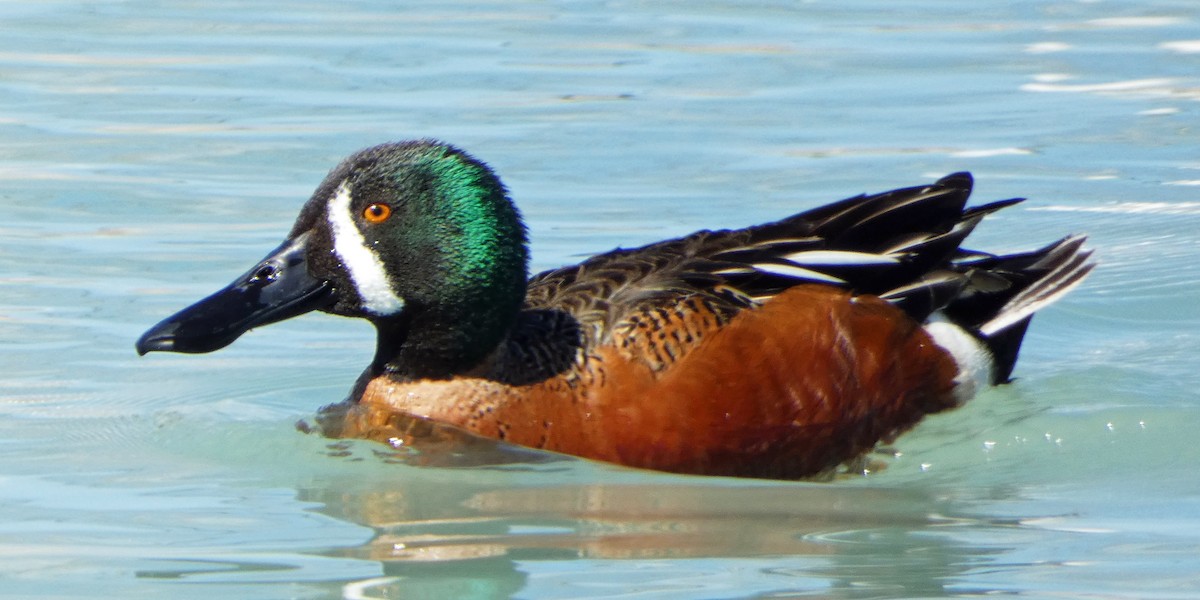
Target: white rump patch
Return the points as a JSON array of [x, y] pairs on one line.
[[365, 269], [975, 362]]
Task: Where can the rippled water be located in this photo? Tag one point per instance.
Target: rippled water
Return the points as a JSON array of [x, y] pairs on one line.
[[151, 151]]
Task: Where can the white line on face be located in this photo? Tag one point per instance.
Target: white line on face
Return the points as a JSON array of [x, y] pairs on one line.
[[364, 266]]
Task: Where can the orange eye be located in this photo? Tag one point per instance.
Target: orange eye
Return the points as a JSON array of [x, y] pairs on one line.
[[377, 213]]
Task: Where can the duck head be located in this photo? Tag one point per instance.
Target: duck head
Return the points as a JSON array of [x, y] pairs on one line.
[[417, 237]]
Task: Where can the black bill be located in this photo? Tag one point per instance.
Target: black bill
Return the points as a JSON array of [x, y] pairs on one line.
[[277, 288]]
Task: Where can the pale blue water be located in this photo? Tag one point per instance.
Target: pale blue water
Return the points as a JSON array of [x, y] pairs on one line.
[[151, 151]]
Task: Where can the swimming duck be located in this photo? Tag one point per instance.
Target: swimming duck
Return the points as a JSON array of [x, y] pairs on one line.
[[779, 350]]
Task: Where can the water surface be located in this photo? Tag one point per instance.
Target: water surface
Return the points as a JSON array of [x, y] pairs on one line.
[[152, 151]]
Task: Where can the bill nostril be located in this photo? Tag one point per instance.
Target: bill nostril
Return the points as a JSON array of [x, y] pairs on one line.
[[264, 274]]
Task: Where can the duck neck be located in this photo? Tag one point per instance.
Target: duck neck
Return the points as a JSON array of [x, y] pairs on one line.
[[439, 342]]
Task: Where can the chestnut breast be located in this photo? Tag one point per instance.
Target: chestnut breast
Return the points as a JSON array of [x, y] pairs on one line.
[[811, 378]]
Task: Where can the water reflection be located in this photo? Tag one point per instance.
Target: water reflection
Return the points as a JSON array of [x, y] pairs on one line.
[[444, 536]]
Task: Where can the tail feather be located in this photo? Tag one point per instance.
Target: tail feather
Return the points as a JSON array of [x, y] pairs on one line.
[[1003, 293], [1067, 266], [1005, 345]]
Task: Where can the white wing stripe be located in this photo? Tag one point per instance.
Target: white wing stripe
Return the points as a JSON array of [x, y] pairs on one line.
[[839, 257], [796, 272]]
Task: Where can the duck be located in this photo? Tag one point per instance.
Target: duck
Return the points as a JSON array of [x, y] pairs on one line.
[[780, 350]]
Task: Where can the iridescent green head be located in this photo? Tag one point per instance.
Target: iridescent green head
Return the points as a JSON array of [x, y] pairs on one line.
[[418, 237]]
